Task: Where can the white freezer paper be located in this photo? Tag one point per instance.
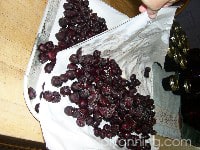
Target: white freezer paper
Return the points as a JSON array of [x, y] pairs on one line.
[[135, 44]]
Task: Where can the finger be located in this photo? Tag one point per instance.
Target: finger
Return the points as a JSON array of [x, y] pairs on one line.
[[142, 8], [168, 4], [155, 4]]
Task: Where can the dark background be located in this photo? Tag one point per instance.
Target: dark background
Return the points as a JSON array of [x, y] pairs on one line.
[[189, 19]]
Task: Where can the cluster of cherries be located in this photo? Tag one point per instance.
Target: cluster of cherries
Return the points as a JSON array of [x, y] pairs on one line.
[[78, 24], [104, 98]]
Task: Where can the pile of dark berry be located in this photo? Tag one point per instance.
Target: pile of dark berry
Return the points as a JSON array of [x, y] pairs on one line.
[[102, 96], [78, 24], [104, 100]]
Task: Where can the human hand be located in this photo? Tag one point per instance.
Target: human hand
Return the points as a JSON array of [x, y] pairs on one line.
[[153, 6]]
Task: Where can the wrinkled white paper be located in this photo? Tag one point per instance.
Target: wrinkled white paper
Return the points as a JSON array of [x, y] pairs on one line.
[[135, 44]]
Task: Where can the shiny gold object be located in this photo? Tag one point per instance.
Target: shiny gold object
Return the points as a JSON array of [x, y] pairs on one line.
[[185, 50], [177, 57], [174, 83], [183, 63], [187, 86], [178, 45], [171, 51]]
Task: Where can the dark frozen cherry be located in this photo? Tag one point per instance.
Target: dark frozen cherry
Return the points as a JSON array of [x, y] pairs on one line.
[[132, 77], [31, 93], [63, 22], [106, 112], [96, 123], [70, 74], [103, 101], [49, 45], [125, 127], [103, 134], [76, 86], [72, 66], [64, 78], [83, 112], [128, 101], [73, 59], [80, 122], [56, 81], [146, 72], [106, 90], [37, 107], [42, 48], [86, 3], [52, 55], [47, 51], [43, 85], [137, 82], [109, 135], [75, 113], [49, 67], [84, 93], [74, 97], [68, 6], [97, 132], [53, 97], [83, 103], [43, 57], [132, 92], [41, 95], [60, 36], [79, 53], [97, 54], [69, 110], [89, 120], [125, 82], [56, 97], [48, 95], [65, 90], [114, 128], [70, 13]]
